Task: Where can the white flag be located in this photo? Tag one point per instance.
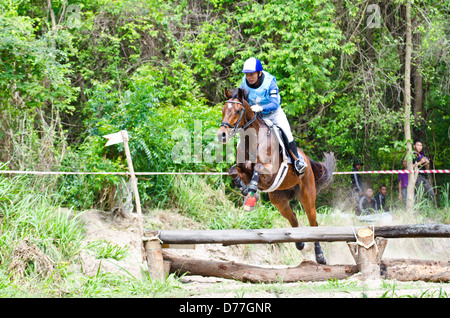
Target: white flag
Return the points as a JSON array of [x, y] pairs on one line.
[[113, 138]]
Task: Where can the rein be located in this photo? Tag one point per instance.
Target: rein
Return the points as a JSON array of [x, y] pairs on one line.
[[236, 127]]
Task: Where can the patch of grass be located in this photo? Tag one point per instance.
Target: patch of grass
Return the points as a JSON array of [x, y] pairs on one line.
[[437, 293], [31, 223], [207, 203], [106, 249]]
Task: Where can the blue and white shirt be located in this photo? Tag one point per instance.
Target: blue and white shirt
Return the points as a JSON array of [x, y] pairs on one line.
[[266, 95]]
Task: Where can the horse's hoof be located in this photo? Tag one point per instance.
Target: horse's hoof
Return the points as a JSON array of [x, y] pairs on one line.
[[250, 203], [321, 259], [299, 245], [302, 246], [248, 208]]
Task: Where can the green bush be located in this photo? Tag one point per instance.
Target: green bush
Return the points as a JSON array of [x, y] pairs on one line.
[[163, 138]]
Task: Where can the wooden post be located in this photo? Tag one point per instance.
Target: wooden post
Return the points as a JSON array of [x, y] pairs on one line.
[[155, 261], [135, 191], [116, 138], [133, 182], [367, 252]]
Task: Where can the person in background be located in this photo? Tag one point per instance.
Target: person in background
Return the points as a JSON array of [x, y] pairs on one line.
[[357, 183], [367, 204], [380, 199], [403, 183], [423, 163]]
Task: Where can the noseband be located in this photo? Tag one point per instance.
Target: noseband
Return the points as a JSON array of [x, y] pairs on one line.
[[236, 127]]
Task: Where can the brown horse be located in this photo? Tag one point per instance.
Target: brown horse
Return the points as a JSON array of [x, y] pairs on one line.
[[254, 171]]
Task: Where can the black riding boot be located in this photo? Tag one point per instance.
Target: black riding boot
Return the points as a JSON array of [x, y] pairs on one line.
[[299, 164]]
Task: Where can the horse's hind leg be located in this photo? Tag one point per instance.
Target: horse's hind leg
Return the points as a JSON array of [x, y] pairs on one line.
[[308, 201], [280, 199]]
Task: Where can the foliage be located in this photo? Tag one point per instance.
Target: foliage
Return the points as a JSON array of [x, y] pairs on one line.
[[34, 90], [30, 214], [43, 224], [158, 68], [297, 40]]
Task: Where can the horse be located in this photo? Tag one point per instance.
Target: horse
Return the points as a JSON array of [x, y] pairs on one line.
[[253, 171]]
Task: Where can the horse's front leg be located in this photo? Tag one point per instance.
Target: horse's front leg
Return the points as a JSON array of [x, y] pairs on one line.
[[234, 173], [252, 188]]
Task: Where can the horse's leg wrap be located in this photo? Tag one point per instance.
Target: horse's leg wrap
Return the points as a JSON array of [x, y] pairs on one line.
[[253, 194], [253, 186], [241, 185], [233, 172], [319, 254]]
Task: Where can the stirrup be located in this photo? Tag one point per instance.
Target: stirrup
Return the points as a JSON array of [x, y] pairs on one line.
[[300, 166]]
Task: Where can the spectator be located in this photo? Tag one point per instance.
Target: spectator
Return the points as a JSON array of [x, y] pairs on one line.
[[423, 163], [367, 204], [357, 182], [403, 183], [380, 199]]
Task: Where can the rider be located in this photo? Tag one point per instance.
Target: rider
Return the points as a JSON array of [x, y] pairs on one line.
[[263, 97]]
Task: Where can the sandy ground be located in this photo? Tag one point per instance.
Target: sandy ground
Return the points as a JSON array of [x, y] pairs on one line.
[[123, 232]]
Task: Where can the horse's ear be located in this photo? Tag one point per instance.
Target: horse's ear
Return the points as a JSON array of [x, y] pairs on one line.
[[241, 94], [227, 93]]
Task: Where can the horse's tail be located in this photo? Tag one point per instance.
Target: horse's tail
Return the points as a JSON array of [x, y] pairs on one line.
[[323, 171]]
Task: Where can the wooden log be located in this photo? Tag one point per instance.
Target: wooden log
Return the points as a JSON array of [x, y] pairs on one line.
[[415, 270], [306, 271], [367, 253], [398, 269], [155, 259], [298, 234], [413, 230]]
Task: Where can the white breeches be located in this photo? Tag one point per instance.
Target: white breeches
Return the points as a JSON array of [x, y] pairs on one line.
[[279, 118]]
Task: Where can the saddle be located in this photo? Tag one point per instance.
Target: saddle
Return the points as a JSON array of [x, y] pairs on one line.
[[286, 159], [282, 140]]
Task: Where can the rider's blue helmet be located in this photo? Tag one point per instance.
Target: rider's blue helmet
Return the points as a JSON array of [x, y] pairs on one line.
[[252, 65]]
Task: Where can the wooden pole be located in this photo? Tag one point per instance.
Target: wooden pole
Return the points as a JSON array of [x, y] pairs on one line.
[[298, 234], [135, 190], [133, 182]]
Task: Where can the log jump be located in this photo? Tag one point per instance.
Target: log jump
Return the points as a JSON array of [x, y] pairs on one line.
[[298, 234], [366, 245]]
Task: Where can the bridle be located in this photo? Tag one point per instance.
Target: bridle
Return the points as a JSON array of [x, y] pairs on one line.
[[236, 127]]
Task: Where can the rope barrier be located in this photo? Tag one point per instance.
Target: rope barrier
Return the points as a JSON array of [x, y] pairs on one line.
[[394, 171], [108, 173], [201, 173]]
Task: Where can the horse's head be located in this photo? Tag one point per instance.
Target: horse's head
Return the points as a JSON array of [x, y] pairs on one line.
[[233, 115]]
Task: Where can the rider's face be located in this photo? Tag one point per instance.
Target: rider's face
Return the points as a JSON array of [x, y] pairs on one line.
[[252, 77]]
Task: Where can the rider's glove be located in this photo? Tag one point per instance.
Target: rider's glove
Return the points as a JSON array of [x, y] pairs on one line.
[[256, 108]]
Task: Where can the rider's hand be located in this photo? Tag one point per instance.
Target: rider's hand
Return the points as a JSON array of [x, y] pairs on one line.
[[256, 108]]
